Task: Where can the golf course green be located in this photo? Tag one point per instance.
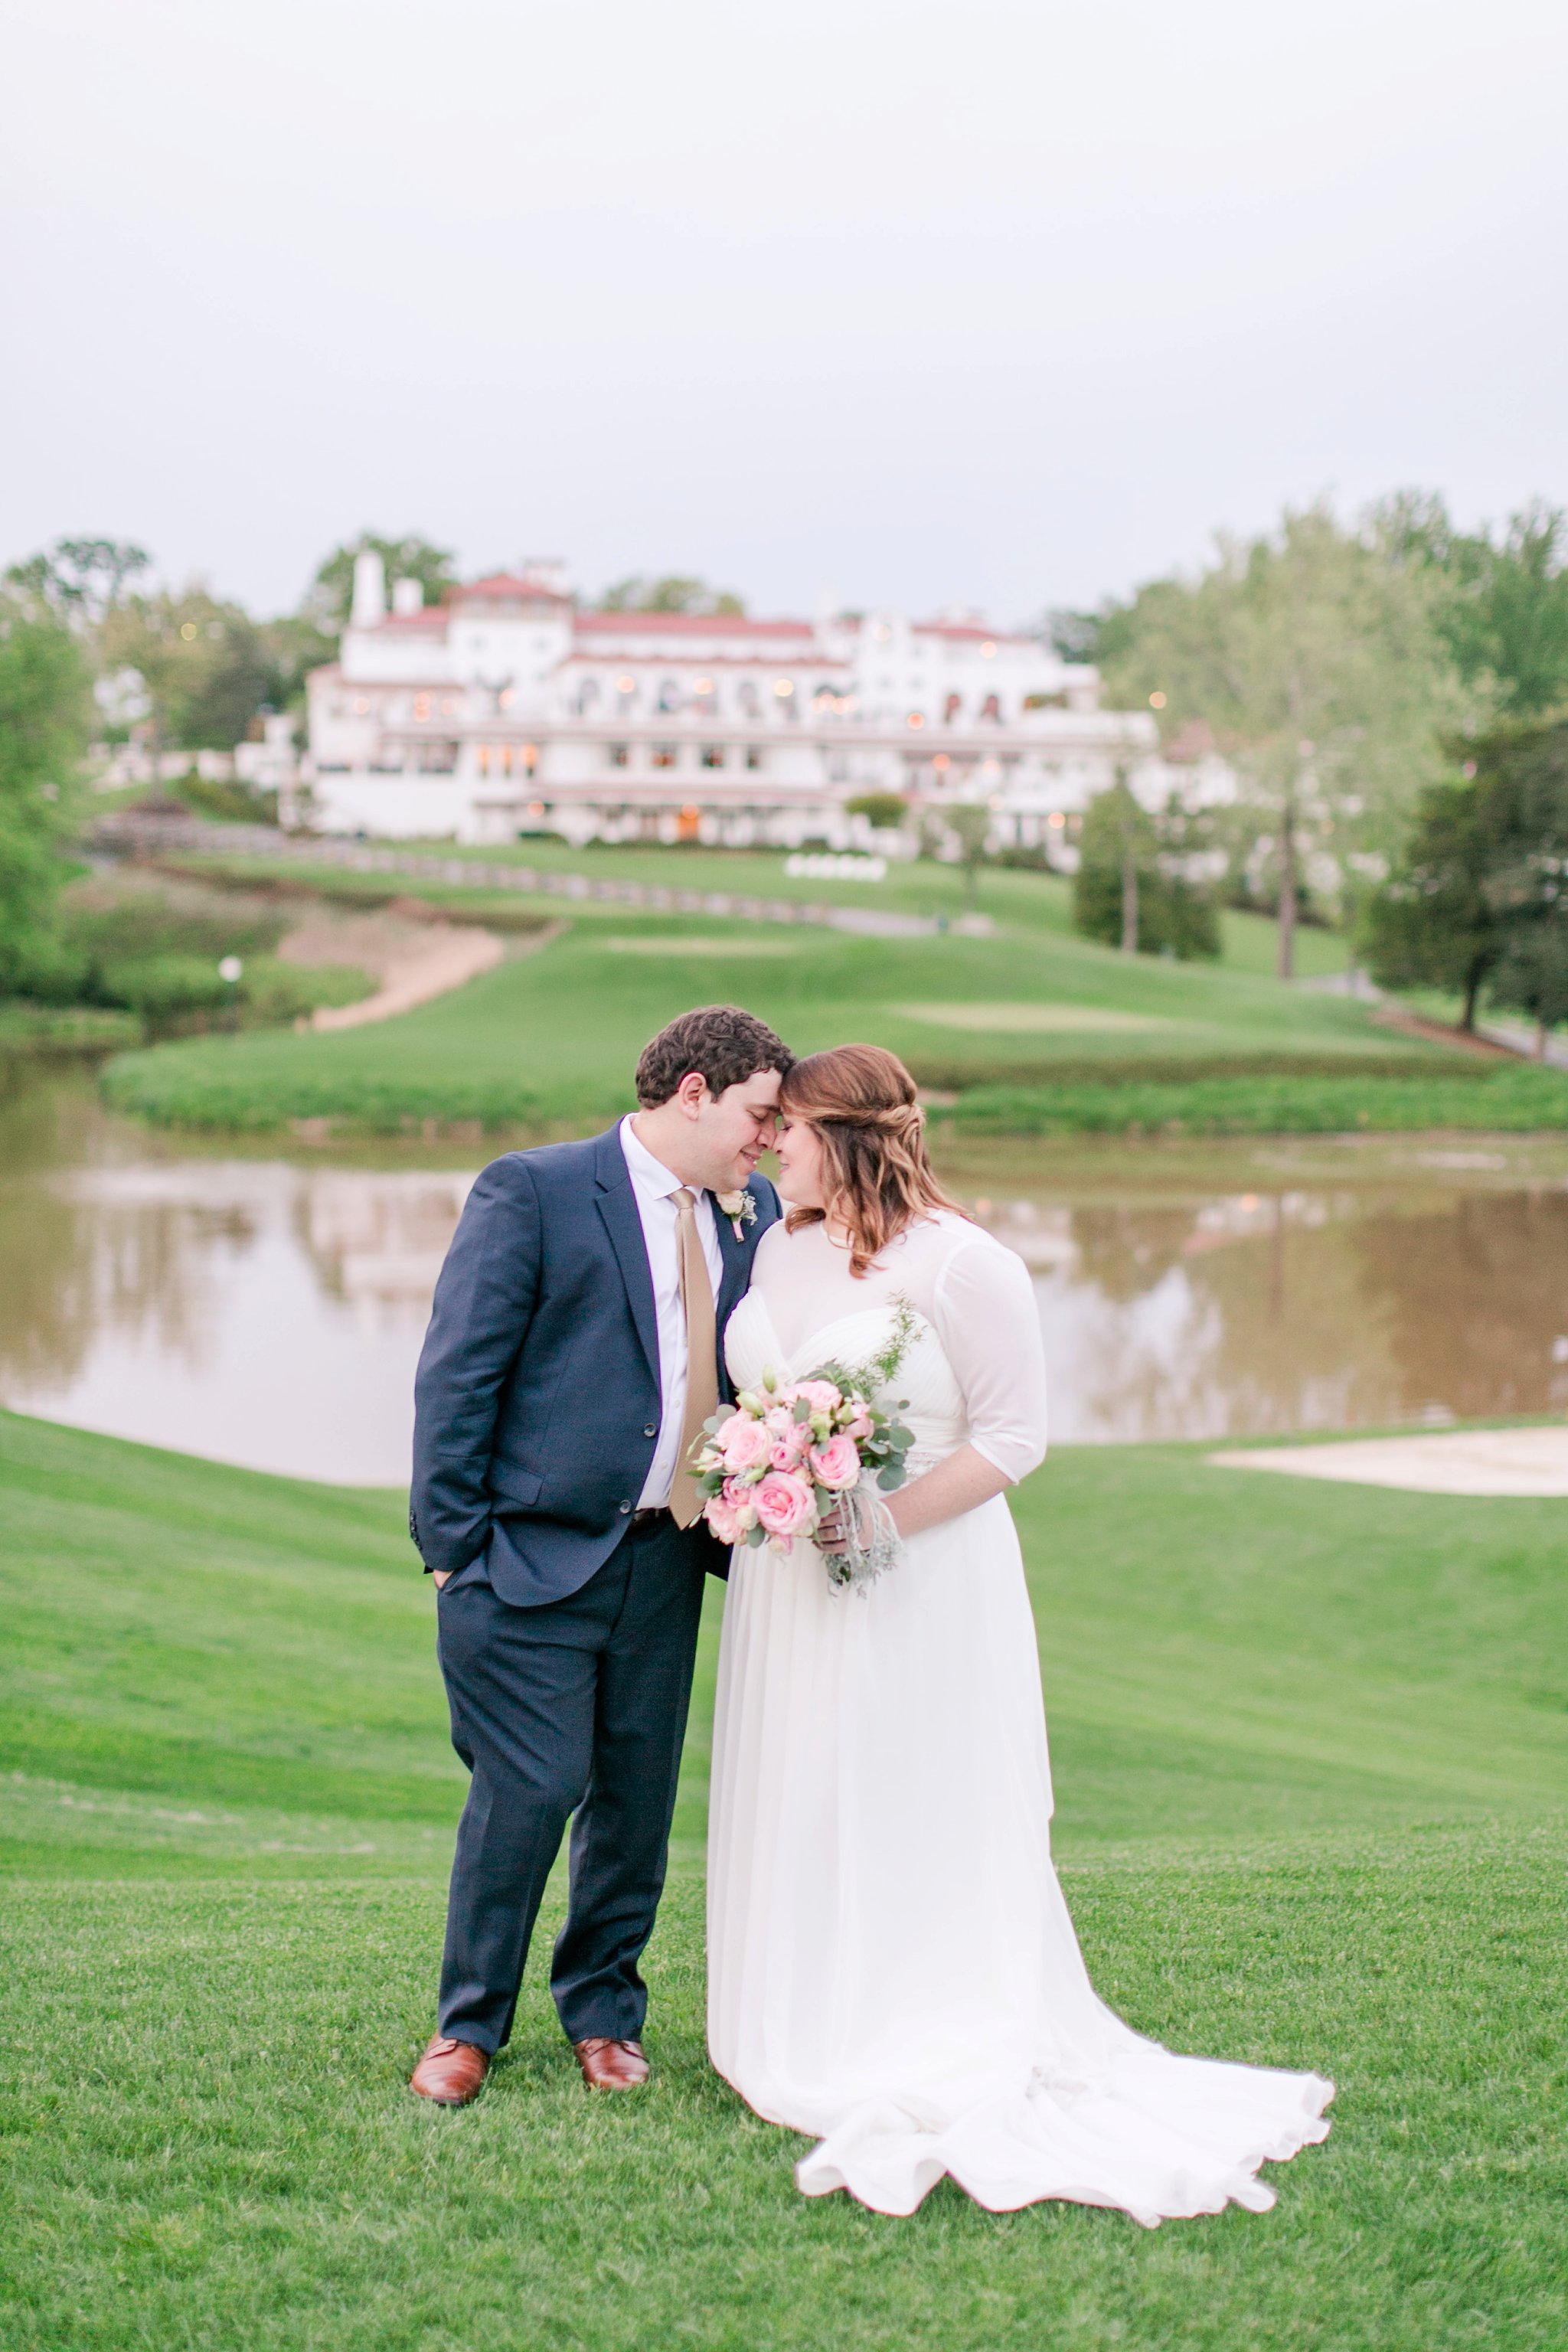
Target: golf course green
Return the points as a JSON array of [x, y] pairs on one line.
[[1027, 1028], [1311, 1751]]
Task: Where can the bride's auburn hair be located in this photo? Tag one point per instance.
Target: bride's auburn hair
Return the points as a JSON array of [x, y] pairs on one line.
[[876, 1172]]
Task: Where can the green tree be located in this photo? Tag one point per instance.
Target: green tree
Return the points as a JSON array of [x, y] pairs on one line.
[[1527, 878], [1433, 924], [675, 592], [1312, 658], [1131, 890], [330, 594], [970, 822], [203, 664], [44, 708], [1480, 900], [1501, 605], [79, 579]]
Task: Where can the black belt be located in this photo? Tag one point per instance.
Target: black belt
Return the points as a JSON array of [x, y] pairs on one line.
[[655, 1511]]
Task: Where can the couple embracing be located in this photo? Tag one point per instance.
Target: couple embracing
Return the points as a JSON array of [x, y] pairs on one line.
[[891, 1967]]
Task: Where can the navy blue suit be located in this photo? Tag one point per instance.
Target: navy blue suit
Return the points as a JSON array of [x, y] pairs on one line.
[[567, 1630]]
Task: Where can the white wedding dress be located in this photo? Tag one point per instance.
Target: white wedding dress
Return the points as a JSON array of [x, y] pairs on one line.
[[891, 1966]]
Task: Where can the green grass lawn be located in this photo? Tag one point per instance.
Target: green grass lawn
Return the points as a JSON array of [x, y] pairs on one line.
[[1310, 1744], [555, 1035]]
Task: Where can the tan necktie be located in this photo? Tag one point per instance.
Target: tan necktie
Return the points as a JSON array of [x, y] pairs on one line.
[[702, 1353]]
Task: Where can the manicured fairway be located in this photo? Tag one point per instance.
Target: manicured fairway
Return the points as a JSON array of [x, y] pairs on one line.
[[556, 1035], [1311, 1752]]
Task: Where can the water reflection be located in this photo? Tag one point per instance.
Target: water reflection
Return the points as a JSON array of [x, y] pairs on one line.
[[268, 1311]]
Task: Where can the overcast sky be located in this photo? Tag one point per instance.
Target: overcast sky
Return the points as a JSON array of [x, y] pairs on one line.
[[983, 302]]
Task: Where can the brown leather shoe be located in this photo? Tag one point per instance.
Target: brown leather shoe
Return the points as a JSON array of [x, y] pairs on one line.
[[451, 2073], [611, 2065]]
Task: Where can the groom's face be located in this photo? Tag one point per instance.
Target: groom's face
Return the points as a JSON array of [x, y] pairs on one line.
[[734, 1128]]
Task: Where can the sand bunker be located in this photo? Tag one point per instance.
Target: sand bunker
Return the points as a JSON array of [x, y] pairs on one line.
[[1456, 1462]]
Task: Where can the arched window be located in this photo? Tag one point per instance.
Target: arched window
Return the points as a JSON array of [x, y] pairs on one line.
[[749, 699], [668, 694], [950, 708], [587, 697], [991, 707]]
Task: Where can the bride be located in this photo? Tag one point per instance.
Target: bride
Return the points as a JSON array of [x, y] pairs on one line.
[[891, 1966]]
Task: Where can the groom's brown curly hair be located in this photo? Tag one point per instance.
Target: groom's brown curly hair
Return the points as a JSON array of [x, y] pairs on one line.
[[720, 1042]]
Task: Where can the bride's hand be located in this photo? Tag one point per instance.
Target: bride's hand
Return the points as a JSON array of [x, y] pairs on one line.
[[832, 1536]]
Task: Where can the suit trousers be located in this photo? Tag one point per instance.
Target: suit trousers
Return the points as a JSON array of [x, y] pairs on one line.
[[577, 1707]]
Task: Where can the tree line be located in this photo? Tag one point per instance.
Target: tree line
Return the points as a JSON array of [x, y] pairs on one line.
[[1368, 685]]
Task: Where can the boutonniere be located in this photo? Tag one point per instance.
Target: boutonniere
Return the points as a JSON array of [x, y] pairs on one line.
[[741, 1210]]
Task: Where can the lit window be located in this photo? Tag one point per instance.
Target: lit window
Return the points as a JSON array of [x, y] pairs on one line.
[[625, 685], [916, 719], [950, 708], [783, 687], [529, 756], [663, 755], [484, 759], [988, 651], [991, 707], [712, 755], [619, 754], [421, 706], [942, 764], [1056, 820], [362, 706], [754, 756]]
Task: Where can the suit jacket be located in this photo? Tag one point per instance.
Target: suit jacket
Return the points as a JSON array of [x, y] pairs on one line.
[[537, 1402]]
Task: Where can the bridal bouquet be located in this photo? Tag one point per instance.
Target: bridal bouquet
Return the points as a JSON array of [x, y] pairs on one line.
[[793, 1450]]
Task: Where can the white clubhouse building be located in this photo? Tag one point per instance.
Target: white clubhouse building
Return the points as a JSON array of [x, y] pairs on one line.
[[510, 709]]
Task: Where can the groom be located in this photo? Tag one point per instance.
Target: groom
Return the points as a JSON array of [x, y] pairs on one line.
[[574, 1350]]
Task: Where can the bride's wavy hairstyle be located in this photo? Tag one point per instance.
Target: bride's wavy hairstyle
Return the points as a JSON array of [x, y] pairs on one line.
[[876, 1172]]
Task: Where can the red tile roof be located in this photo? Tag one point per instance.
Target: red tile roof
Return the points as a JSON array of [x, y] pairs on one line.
[[693, 625], [509, 585]]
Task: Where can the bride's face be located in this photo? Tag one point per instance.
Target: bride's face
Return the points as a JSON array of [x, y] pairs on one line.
[[799, 1148]]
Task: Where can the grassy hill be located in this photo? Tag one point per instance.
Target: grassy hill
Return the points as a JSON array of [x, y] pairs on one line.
[[554, 1036], [1311, 1749]]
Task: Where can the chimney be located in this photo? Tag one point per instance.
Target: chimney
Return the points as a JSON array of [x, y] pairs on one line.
[[547, 571], [407, 596], [370, 590]]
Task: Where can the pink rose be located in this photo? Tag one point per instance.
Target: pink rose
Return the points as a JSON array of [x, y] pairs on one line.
[[861, 1426], [727, 1514], [785, 1504], [747, 1444], [789, 1445], [836, 1464], [820, 1395]]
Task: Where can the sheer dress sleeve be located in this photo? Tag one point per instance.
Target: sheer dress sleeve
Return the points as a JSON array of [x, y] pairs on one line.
[[985, 1312]]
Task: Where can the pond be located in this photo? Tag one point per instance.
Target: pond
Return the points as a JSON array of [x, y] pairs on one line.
[[265, 1306]]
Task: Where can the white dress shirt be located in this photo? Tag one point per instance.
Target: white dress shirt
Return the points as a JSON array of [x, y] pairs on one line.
[[653, 1189]]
